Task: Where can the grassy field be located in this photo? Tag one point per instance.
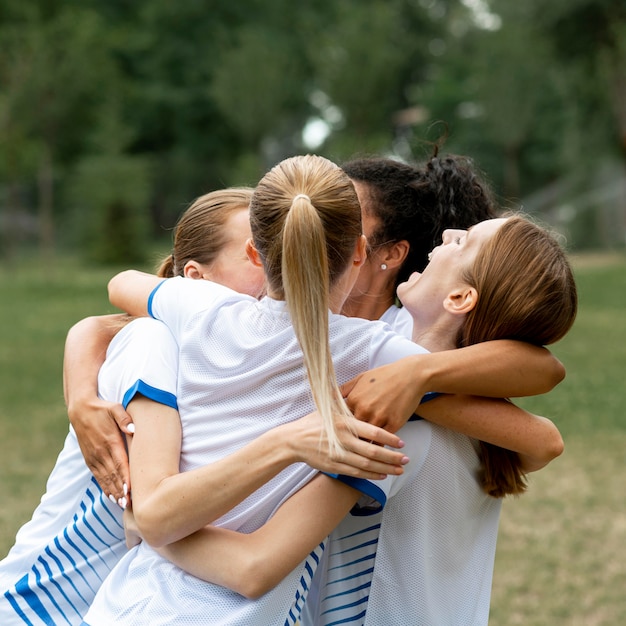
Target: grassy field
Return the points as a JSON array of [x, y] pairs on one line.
[[562, 547]]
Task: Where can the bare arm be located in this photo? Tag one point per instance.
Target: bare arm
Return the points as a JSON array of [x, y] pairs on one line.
[[130, 290], [97, 423], [389, 395], [250, 564], [169, 505], [536, 439]]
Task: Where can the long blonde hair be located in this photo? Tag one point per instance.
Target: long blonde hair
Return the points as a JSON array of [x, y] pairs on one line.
[[306, 221], [526, 291]]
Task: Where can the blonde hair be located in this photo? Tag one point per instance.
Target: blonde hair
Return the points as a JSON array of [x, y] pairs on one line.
[[199, 235], [200, 232], [306, 221], [526, 291]]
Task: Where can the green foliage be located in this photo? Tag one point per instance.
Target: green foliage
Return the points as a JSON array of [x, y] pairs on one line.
[[213, 93], [110, 195]]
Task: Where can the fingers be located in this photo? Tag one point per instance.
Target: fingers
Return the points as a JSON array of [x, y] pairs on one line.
[[110, 468], [356, 465], [123, 419], [377, 434]]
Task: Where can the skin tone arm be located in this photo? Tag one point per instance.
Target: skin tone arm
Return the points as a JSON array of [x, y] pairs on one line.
[[99, 425], [169, 505], [251, 565], [495, 369], [130, 290]]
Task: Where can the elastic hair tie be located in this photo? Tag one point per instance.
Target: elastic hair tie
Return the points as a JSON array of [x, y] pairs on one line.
[[302, 195]]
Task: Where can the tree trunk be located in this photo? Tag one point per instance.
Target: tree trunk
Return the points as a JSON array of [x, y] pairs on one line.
[[511, 172], [46, 204]]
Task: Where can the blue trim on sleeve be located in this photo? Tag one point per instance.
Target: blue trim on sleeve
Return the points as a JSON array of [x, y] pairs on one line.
[[427, 397], [152, 393], [151, 298], [431, 395], [367, 488]]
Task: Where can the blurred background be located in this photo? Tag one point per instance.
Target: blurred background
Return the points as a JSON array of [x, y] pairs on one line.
[[115, 115]]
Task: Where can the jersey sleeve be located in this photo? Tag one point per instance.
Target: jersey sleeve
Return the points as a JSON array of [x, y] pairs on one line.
[[387, 346], [416, 436], [175, 301], [141, 359]]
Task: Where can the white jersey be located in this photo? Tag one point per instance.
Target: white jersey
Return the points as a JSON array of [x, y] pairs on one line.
[[363, 538], [241, 373], [426, 558], [399, 319], [76, 536]]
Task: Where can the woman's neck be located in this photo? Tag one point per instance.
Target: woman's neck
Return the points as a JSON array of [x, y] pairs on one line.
[[436, 336], [366, 306]]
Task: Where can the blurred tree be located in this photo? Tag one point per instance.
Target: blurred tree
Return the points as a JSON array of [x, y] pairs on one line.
[[363, 60], [51, 95], [108, 192], [592, 34], [216, 91]]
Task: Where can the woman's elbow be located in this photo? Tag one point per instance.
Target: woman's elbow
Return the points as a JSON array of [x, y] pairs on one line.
[[256, 578], [558, 372], [553, 447], [153, 528], [556, 446], [114, 288]]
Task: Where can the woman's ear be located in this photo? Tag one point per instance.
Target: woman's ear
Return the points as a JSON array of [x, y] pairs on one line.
[[360, 252], [253, 253], [194, 270], [461, 300], [394, 254]]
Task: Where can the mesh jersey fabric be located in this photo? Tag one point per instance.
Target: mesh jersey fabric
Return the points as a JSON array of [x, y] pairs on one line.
[[76, 536], [241, 373], [428, 557], [399, 319]]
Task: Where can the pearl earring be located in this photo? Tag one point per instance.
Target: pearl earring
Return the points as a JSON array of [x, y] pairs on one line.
[[383, 266]]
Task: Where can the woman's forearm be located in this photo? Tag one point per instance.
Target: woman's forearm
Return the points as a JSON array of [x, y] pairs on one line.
[[85, 350], [387, 396], [252, 564], [496, 369], [97, 423], [169, 505], [536, 439]]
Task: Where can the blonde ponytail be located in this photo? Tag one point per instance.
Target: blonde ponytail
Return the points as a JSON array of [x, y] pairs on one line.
[[306, 221], [306, 287]]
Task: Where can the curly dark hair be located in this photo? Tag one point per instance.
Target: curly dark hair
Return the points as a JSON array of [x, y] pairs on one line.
[[417, 202]]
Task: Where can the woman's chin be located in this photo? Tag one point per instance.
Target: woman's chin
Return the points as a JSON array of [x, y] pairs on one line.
[[406, 285]]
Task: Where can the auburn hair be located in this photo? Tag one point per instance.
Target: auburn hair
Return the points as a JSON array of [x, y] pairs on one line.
[[526, 291]]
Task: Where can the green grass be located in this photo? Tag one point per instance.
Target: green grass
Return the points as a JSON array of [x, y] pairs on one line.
[[560, 553], [38, 304], [560, 557]]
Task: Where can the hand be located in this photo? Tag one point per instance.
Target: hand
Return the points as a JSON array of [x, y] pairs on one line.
[[363, 455], [386, 396], [100, 427], [131, 530]]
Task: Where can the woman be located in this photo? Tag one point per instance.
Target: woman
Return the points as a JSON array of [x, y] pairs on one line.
[[439, 526], [405, 209], [76, 534], [303, 211]]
